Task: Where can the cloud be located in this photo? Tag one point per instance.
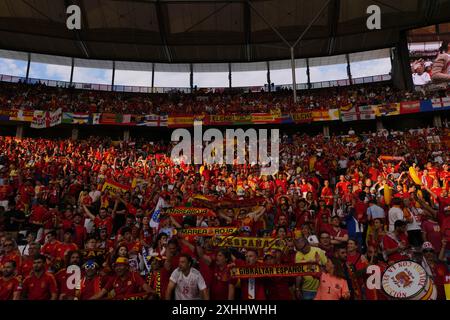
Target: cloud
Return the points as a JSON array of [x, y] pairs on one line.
[[201, 79], [133, 78], [371, 68], [89, 75], [13, 67], [211, 79], [171, 79]]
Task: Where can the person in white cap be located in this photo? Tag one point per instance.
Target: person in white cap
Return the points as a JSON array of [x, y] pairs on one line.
[[434, 267], [420, 77]]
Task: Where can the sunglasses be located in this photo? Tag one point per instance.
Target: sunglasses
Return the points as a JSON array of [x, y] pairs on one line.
[[8, 244], [427, 250]]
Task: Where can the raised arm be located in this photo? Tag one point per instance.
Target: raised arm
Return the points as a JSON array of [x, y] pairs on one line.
[[88, 213]]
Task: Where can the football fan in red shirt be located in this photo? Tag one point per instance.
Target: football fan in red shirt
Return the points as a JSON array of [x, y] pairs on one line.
[[221, 285], [252, 288], [72, 258], [39, 285], [395, 244], [91, 283], [9, 285], [124, 284]]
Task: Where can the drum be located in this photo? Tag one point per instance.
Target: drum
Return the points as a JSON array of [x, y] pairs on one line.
[[408, 280]]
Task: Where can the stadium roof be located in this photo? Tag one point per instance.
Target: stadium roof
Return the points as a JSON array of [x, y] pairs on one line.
[[189, 31]]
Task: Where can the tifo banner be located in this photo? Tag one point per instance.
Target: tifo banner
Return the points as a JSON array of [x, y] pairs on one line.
[[233, 119], [180, 121], [21, 115], [389, 109], [221, 203], [366, 113], [207, 231], [114, 186], [188, 211], [151, 120], [249, 242], [409, 107], [46, 119], [108, 118], [349, 113], [75, 118], [326, 115], [266, 118], [302, 117], [280, 270]]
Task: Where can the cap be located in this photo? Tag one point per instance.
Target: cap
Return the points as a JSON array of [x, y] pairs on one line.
[[427, 246], [121, 260], [428, 64], [90, 264]]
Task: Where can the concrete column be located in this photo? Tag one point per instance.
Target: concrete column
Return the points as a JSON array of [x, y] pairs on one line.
[[126, 135], [75, 134], [19, 131], [380, 124], [326, 130], [437, 121]]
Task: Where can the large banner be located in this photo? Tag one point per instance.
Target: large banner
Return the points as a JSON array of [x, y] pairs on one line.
[[388, 109], [248, 242], [46, 119], [188, 211], [302, 117], [279, 270], [410, 107], [75, 118], [207, 231], [349, 113], [114, 186]]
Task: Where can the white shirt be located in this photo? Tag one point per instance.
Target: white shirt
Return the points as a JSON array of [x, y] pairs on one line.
[[415, 214], [95, 195], [343, 163], [420, 80], [394, 214], [188, 287]]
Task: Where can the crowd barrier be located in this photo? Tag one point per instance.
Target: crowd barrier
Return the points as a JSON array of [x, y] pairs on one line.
[[46, 119]]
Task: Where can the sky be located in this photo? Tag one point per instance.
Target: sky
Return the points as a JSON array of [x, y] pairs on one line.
[[201, 79]]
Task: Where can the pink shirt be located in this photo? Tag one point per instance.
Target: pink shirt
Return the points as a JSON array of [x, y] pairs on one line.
[[331, 288]]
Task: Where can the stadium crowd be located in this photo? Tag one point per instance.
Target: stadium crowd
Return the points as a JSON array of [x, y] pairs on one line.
[[41, 97], [326, 205]]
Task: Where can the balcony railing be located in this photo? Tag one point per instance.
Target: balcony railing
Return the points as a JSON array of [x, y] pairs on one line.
[[139, 89]]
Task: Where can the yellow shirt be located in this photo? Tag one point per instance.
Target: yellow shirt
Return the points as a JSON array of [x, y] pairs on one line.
[[310, 283]]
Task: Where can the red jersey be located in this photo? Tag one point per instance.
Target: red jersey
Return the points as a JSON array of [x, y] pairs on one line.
[[90, 287], [50, 249], [61, 280], [278, 288], [131, 284], [8, 287], [39, 288], [327, 195], [27, 266], [391, 242], [444, 219], [220, 282], [63, 248], [104, 223], [12, 256]]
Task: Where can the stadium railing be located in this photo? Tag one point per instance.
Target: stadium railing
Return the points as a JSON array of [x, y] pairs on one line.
[[141, 89]]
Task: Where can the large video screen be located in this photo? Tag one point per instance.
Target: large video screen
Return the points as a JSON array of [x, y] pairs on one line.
[[428, 47]]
